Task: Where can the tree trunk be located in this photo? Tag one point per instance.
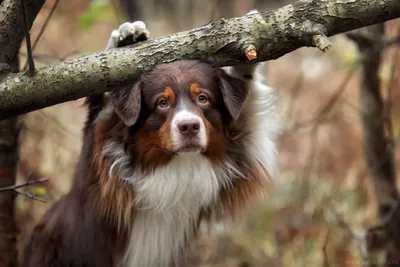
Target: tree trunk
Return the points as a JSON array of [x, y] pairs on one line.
[[11, 36], [378, 149], [9, 133], [9, 152]]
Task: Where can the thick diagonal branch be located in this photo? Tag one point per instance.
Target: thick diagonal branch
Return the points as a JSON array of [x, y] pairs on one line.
[[272, 34]]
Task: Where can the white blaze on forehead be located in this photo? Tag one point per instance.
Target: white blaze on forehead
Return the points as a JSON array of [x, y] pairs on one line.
[[186, 115]]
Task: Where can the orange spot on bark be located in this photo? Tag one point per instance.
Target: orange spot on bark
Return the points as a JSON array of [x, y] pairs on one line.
[[251, 54]]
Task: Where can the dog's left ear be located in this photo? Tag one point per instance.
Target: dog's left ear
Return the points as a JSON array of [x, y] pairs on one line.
[[234, 93], [126, 102]]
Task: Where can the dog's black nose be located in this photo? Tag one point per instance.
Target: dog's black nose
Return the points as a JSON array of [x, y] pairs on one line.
[[189, 127]]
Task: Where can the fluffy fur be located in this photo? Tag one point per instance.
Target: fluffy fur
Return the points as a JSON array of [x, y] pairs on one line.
[[141, 187]]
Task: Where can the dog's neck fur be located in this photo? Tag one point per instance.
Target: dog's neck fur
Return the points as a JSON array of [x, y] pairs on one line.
[[169, 202], [159, 210]]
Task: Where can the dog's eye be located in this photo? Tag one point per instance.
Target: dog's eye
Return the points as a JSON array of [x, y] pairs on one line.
[[163, 103], [202, 99]]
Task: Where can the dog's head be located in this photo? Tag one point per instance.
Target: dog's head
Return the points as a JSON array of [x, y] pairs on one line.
[[184, 106]]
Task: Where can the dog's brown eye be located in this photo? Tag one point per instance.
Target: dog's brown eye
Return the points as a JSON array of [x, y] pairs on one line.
[[163, 103], [202, 99]]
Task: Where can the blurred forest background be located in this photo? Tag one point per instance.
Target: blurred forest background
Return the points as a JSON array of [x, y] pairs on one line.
[[323, 192]]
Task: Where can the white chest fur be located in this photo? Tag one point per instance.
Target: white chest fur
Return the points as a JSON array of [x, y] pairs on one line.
[[171, 198]]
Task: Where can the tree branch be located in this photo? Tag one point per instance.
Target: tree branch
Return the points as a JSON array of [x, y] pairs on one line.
[[272, 34]]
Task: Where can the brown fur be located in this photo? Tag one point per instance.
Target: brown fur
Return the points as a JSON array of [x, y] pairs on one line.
[[90, 226], [153, 147], [195, 90], [169, 95], [236, 199]]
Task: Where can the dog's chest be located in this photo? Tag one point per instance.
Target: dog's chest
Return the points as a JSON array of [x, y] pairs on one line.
[[170, 199]]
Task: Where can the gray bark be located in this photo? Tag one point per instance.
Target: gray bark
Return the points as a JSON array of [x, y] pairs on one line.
[[12, 30], [273, 34], [11, 36]]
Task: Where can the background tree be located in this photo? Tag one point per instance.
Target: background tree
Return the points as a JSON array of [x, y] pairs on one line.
[[12, 24]]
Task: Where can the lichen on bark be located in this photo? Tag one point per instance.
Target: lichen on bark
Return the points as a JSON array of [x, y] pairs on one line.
[[273, 34]]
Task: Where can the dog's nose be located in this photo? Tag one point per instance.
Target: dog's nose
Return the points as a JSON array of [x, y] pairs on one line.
[[189, 127]]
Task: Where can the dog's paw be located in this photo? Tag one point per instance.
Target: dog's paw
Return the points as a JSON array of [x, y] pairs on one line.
[[252, 12], [128, 33]]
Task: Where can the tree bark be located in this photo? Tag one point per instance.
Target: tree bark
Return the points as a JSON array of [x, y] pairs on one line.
[[11, 36], [9, 132], [12, 30], [226, 42]]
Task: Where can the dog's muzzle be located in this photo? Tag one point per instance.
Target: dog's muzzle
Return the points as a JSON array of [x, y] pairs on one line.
[[188, 132]]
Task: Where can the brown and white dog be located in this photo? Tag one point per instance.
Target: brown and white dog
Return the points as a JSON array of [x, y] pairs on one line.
[[186, 143]]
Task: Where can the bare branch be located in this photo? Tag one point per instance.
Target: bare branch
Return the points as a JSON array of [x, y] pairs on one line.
[[273, 34], [325, 248], [326, 109], [388, 104], [31, 196], [28, 183], [42, 30]]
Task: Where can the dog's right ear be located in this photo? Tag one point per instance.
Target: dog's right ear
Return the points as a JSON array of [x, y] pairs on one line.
[[234, 93], [126, 102]]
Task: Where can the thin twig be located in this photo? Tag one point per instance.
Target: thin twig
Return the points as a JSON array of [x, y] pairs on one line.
[[308, 166], [28, 39], [324, 111], [388, 104], [45, 24], [42, 30], [360, 238], [29, 195], [338, 93], [29, 183], [320, 117], [325, 248]]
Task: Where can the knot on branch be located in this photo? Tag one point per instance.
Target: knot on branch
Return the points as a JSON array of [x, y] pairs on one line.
[[251, 52], [315, 34]]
